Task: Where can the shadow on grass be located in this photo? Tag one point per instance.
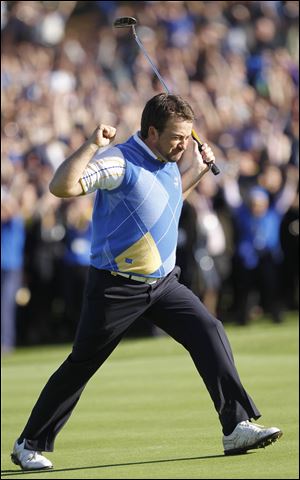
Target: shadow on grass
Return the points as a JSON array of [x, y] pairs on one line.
[[6, 473]]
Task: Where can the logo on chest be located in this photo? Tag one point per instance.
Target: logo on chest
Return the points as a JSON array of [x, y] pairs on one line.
[[176, 181]]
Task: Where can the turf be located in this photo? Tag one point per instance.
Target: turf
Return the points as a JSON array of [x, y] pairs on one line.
[[146, 413]]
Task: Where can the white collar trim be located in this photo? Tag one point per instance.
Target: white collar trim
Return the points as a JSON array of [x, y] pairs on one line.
[[138, 140]]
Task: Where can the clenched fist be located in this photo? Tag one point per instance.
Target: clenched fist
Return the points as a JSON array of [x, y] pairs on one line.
[[207, 154], [201, 160], [103, 135]]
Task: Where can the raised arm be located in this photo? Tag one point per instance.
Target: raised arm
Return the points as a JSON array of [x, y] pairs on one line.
[[288, 193], [65, 182], [198, 167]]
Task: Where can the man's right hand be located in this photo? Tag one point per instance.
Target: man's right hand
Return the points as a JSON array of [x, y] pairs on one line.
[[66, 180], [103, 135]]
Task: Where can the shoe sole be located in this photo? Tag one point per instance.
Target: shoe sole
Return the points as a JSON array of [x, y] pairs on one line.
[[264, 442], [16, 461]]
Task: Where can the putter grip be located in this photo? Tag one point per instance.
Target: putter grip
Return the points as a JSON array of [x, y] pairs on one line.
[[215, 170]]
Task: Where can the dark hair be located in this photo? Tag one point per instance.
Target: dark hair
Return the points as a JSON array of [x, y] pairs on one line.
[[160, 108]]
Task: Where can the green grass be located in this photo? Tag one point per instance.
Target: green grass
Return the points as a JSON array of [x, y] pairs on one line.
[[146, 412]]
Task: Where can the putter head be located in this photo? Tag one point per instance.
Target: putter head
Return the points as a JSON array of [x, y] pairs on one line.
[[124, 22]]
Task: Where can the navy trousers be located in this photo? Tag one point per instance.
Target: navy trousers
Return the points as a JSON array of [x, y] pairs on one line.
[[111, 304]]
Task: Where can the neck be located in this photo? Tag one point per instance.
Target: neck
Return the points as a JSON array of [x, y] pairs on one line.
[[159, 156]]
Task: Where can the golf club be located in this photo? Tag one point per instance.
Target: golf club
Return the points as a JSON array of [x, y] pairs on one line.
[[130, 22]]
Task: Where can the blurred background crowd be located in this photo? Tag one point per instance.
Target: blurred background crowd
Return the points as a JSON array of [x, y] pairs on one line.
[[65, 69]]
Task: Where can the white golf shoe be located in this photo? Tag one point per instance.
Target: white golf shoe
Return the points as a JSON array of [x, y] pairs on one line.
[[29, 459], [247, 436]]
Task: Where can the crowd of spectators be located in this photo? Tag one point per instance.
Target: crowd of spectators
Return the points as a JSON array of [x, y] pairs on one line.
[[65, 69]]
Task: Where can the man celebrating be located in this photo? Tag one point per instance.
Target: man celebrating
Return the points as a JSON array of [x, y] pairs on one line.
[[133, 274]]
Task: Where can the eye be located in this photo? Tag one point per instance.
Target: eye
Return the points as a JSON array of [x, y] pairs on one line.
[[178, 137]]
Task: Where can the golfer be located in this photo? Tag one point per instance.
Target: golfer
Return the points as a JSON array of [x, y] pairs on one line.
[[133, 274]]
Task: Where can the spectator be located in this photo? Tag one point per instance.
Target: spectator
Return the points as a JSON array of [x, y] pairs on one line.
[[289, 236], [43, 256], [258, 252], [12, 249], [211, 252], [76, 260], [186, 246]]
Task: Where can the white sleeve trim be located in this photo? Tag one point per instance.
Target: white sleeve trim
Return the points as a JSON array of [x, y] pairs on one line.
[[106, 171]]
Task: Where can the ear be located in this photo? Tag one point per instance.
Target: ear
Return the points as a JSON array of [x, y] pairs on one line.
[[153, 134]]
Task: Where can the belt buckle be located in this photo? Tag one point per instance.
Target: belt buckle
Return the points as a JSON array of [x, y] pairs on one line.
[[151, 281], [147, 280]]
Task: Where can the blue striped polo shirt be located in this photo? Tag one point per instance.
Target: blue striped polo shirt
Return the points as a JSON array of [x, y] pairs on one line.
[[135, 225]]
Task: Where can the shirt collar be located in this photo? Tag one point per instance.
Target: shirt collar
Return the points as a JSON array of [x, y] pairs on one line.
[[138, 140]]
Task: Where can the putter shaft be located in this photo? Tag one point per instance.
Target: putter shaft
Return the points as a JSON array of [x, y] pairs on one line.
[[130, 22]]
